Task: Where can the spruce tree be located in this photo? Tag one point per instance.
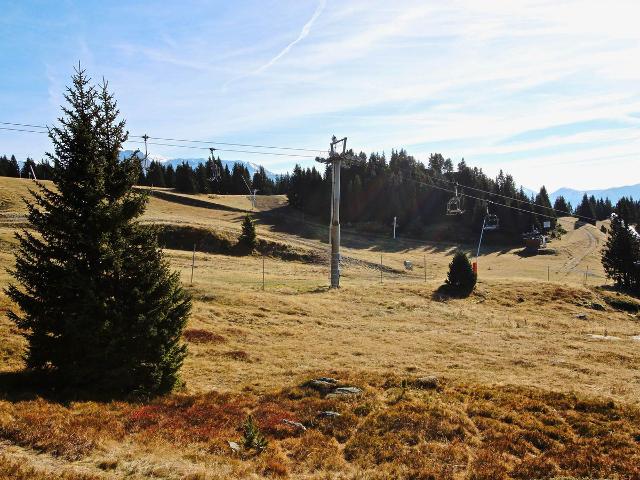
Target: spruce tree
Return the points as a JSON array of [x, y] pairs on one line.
[[4, 166], [13, 169], [562, 206], [27, 166], [99, 306], [586, 211], [461, 277], [621, 255], [155, 175], [248, 236], [185, 181]]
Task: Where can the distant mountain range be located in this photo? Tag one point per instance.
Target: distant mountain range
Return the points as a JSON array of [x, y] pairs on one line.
[[251, 167], [574, 196], [614, 194]]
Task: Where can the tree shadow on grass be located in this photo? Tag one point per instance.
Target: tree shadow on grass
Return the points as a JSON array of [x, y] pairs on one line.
[[446, 292], [25, 385]]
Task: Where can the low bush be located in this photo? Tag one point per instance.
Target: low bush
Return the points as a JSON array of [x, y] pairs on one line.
[[461, 278]]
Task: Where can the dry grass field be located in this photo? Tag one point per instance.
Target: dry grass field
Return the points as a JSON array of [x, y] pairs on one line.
[[535, 375]]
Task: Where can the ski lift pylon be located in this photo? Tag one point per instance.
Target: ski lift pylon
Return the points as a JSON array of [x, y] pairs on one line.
[[216, 174]]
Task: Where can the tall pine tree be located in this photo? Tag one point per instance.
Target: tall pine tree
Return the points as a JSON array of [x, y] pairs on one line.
[[621, 255], [99, 306]]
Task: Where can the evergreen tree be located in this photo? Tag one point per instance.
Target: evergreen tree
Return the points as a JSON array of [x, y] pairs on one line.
[[155, 175], [248, 236], [185, 181], [13, 169], [27, 167], [621, 255], [262, 182], [586, 210], [239, 180], [98, 304], [4, 166], [226, 185], [562, 206], [628, 210], [461, 277], [44, 170], [202, 176], [169, 176], [543, 207]]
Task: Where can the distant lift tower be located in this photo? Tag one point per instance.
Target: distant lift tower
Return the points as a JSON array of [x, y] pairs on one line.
[[335, 160]]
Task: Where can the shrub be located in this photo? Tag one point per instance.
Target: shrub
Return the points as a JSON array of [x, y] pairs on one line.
[[253, 438], [461, 278], [248, 236]]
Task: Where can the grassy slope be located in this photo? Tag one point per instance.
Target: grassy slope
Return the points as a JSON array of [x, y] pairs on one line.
[[516, 339]]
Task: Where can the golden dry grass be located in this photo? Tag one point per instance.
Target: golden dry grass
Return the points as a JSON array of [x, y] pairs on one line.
[[513, 343]]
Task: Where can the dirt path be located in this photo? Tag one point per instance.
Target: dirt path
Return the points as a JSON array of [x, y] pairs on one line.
[[574, 261]]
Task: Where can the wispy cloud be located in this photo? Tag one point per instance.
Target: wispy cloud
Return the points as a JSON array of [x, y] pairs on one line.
[[303, 34], [494, 82]]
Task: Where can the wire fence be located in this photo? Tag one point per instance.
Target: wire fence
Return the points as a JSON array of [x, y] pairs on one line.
[[264, 272]]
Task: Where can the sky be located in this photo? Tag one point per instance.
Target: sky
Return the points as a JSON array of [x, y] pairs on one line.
[[548, 91]]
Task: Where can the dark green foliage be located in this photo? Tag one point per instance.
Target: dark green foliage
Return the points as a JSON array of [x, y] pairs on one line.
[[262, 183], [99, 306], [543, 207], [27, 167], [185, 179], [586, 211], [461, 278], [374, 190], [155, 175], [628, 210], [252, 437], [562, 206], [240, 181], [211, 177], [248, 236], [9, 167], [621, 256]]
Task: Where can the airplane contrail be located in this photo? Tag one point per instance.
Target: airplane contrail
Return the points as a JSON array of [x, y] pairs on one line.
[[303, 33]]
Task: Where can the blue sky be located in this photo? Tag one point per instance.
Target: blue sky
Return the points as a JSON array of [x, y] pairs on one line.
[[546, 90]]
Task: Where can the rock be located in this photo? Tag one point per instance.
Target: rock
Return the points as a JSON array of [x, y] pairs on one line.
[[234, 446], [520, 299], [598, 306], [342, 391], [327, 379], [321, 384], [328, 414], [582, 316], [297, 425], [429, 382]]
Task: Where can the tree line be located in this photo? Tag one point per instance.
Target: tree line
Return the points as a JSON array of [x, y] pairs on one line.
[[212, 177], [375, 190], [9, 167]]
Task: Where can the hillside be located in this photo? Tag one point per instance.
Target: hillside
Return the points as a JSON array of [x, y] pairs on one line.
[[527, 378]]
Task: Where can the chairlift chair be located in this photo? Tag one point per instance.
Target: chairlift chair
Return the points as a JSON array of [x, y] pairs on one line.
[[491, 221], [454, 205]]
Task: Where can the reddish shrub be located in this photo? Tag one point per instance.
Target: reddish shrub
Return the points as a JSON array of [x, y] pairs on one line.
[[197, 335]]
